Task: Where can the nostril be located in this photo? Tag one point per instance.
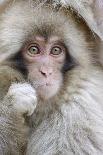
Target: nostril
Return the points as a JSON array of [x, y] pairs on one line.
[[43, 73], [50, 73]]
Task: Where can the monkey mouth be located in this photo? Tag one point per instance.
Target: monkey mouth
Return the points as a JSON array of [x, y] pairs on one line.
[[39, 84], [48, 84]]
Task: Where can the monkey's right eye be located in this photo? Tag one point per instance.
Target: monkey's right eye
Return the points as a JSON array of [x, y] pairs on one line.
[[33, 50]]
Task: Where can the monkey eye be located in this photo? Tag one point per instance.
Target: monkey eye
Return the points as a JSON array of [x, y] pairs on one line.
[[33, 50], [56, 51]]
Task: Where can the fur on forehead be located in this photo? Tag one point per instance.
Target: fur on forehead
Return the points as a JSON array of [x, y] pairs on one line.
[[21, 19]]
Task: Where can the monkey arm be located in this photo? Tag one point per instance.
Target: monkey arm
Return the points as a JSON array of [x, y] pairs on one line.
[[77, 129], [13, 131], [13, 128], [8, 75]]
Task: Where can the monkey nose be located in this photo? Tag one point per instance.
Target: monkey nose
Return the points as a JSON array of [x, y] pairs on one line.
[[45, 71]]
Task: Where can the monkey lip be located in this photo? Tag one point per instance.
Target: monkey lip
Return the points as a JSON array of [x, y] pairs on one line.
[[42, 84], [47, 84]]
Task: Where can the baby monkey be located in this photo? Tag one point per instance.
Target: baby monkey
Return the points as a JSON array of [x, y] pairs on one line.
[[55, 107]]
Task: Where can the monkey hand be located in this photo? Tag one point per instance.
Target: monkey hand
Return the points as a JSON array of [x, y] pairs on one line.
[[19, 101], [22, 97]]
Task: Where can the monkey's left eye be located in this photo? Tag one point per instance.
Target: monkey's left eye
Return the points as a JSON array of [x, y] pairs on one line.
[[33, 50], [56, 51]]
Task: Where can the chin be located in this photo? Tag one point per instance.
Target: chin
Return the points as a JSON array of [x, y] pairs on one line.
[[47, 92]]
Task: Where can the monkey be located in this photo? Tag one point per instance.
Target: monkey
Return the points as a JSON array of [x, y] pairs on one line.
[[55, 107]]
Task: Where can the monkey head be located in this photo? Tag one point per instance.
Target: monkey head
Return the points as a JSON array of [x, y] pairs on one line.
[[43, 44]]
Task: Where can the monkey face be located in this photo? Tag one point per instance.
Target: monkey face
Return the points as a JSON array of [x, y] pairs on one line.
[[44, 60]]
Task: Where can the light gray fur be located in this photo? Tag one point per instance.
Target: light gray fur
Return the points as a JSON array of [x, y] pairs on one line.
[[76, 125], [72, 122], [13, 128]]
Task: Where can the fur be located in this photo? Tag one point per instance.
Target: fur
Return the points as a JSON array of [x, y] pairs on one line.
[[74, 125], [71, 122], [90, 10]]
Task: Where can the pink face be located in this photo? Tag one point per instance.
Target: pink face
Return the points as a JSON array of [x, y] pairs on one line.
[[44, 60]]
